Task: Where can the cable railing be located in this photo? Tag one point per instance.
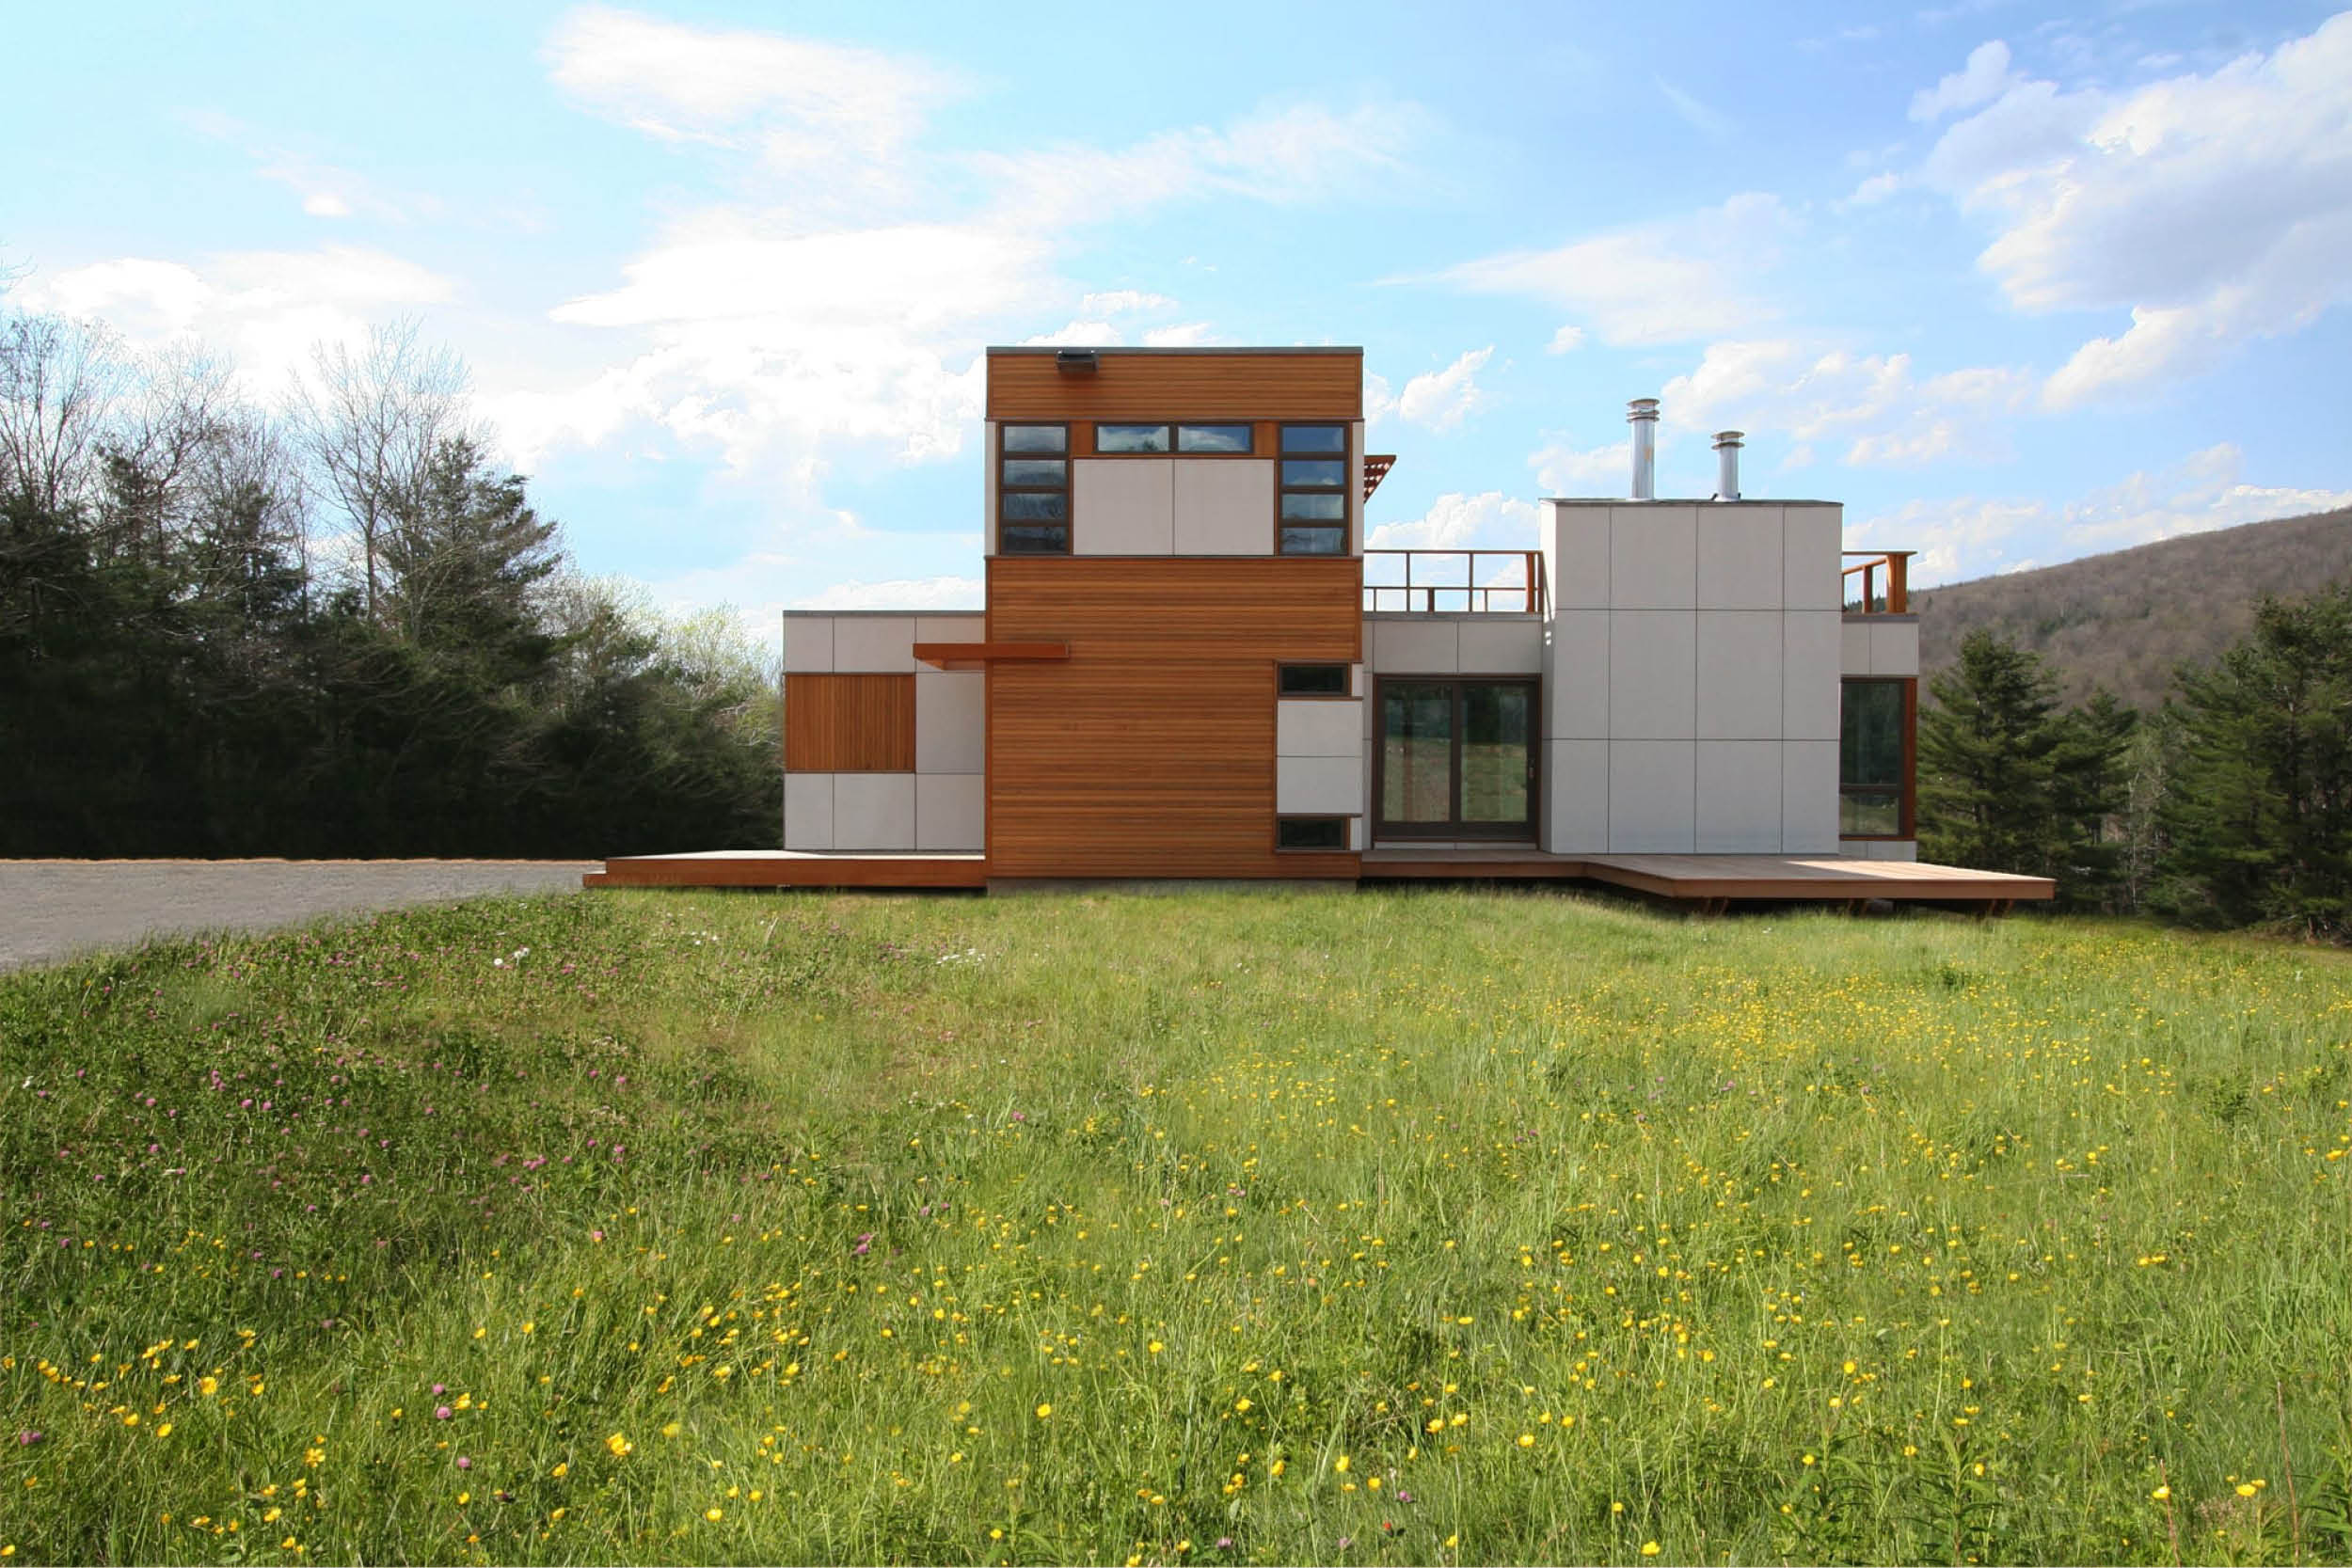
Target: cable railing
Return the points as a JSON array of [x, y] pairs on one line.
[[1432, 582]]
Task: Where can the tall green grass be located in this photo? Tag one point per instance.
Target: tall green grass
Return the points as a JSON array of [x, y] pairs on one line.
[[1373, 1227]]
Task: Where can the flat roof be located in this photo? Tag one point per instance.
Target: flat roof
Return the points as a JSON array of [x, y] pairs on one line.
[[1092, 348], [1682, 500]]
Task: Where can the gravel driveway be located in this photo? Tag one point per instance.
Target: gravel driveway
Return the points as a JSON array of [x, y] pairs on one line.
[[50, 910]]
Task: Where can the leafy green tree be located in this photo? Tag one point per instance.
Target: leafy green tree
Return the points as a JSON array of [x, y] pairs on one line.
[[2260, 815], [2011, 781]]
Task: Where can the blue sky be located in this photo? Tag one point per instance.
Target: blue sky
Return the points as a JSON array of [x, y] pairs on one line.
[[2016, 283]]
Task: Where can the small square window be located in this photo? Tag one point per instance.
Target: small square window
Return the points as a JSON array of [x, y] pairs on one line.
[[1310, 833], [1312, 680], [1033, 539], [1313, 540], [1312, 438]]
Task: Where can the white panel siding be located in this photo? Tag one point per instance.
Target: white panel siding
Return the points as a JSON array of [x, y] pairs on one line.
[[873, 811], [1319, 727], [1739, 797], [808, 811], [1501, 645], [1853, 648], [1575, 561], [1894, 648], [1812, 538], [1653, 557], [1423, 646], [1651, 796], [1578, 685], [1318, 785], [948, 811], [1224, 505], [1810, 640], [1738, 674], [1809, 798], [808, 645], [1121, 506], [1652, 668], [1576, 786], [951, 628], [873, 645], [950, 719], [1740, 557]]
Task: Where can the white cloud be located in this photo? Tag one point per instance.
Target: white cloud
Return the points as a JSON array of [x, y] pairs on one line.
[[1875, 189], [1179, 335], [1491, 520], [1563, 470], [1435, 400], [1985, 77], [1969, 537], [1303, 154], [1121, 302], [940, 593], [832, 110], [1654, 283], [1885, 413], [263, 310], [1566, 341], [1699, 117], [2215, 208]]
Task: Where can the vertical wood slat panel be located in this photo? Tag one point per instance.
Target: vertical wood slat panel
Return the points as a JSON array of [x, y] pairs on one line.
[[848, 723], [1150, 752]]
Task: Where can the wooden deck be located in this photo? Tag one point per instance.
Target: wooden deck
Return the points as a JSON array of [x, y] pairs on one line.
[[1715, 878], [1707, 880], [792, 868]]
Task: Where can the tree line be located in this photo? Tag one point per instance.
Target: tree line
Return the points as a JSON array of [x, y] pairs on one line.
[[333, 625], [2228, 805]]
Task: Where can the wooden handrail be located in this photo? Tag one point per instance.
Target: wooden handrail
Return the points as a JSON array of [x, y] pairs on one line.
[[1525, 596], [1889, 568]]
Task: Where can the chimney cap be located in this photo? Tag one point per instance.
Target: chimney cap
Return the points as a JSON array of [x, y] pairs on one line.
[[1729, 437], [1641, 409]]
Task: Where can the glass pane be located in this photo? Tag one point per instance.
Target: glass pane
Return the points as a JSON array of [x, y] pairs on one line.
[[1326, 472], [1213, 438], [1417, 751], [1496, 730], [1034, 539], [1310, 833], [1869, 814], [1314, 509], [1036, 470], [1036, 437], [1870, 738], [1033, 506], [1313, 540], [1314, 438], [1131, 437], [1314, 680]]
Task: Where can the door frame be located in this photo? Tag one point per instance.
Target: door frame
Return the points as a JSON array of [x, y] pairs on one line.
[[1455, 828]]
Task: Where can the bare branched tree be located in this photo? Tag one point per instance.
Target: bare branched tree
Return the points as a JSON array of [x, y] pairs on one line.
[[371, 422], [61, 384]]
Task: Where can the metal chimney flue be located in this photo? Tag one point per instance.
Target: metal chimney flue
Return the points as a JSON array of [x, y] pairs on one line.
[[1642, 414], [1727, 465]]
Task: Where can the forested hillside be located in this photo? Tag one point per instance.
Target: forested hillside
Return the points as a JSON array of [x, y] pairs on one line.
[[2126, 620]]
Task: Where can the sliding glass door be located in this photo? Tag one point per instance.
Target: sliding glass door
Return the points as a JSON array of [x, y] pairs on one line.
[[1457, 758]]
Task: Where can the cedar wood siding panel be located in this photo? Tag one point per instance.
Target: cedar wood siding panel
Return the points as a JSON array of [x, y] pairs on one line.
[[848, 723], [1149, 752], [1180, 386]]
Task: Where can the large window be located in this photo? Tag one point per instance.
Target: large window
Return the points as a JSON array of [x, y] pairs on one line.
[[1454, 758], [1874, 759], [1195, 440], [1313, 494], [1033, 490]]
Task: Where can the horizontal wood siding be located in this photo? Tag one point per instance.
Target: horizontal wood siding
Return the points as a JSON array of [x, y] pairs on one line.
[[848, 723], [1149, 752], [1238, 386]]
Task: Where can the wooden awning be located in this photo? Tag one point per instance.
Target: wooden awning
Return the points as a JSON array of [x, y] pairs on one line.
[[1376, 467], [979, 655]]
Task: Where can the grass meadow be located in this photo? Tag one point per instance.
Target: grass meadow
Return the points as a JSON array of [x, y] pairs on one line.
[[1413, 1227]]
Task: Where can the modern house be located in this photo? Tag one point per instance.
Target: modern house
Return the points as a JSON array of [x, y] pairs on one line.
[[1189, 665]]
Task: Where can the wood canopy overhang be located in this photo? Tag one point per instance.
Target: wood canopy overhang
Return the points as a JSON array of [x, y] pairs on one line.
[[979, 655]]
